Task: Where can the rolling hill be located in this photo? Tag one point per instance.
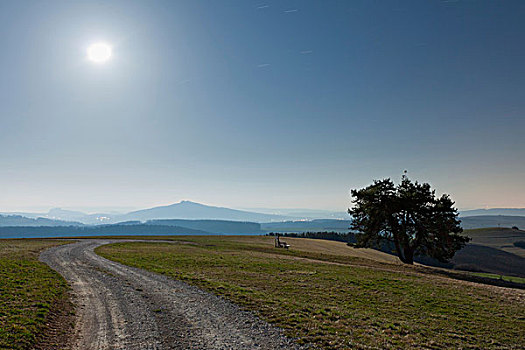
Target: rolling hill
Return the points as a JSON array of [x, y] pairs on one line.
[[490, 250], [481, 258], [487, 221], [213, 226], [498, 238], [100, 230], [483, 221], [307, 226]]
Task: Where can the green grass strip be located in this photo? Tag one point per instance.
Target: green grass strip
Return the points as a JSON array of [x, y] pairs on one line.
[[28, 289]]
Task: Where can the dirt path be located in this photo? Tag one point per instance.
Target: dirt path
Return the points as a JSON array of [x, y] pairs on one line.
[[120, 307]]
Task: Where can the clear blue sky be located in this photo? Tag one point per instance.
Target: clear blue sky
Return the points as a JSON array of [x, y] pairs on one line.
[[259, 103]]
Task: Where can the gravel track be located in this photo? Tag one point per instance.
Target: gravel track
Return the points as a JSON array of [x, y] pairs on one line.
[[121, 307]]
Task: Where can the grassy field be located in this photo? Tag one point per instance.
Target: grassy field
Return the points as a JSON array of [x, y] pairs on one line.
[[28, 291], [328, 294]]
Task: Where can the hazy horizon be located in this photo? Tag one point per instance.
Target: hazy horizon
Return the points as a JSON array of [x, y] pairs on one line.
[[270, 104], [123, 210]]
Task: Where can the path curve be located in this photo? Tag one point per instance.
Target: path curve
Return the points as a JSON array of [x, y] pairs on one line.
[[121, 307]]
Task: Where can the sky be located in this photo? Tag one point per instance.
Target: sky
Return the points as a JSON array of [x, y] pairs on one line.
[[274, 104]]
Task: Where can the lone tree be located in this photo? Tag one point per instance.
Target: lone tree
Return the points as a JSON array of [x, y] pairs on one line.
[[410, 216]]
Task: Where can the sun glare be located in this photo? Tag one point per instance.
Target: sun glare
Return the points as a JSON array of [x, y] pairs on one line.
[[99, 52]]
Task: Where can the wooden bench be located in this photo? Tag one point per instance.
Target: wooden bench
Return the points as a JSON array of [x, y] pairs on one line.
[[281, 244]]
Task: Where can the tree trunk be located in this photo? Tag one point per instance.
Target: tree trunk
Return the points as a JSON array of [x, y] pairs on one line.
[[408, 255], [405, 254], [399, 251]]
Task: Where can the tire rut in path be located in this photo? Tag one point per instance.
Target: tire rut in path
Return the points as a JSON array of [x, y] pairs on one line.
[[120, 307]]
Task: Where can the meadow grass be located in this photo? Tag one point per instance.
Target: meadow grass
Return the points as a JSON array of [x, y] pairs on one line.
[[335, 301], [29, 290]]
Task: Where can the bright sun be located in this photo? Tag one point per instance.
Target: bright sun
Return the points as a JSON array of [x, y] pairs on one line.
[[99, 52]]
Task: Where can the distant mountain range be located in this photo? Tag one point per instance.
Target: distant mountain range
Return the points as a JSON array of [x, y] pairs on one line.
[[494, 211], [19, 220], [181, 210], [192, 210], [214, 219], [310, 214]]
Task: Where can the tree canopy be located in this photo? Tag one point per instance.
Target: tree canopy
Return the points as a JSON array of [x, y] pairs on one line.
[[410, 216]]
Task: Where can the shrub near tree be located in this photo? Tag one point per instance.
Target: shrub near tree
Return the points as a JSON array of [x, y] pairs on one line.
[[410, 216]]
